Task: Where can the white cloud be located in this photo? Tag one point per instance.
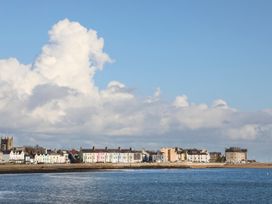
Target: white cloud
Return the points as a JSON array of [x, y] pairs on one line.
[[116, 91], [56, 95], [71, 57], [219, 103], [201, 116], [181, 102], [156, 96], [157, 93], [18, 77], [246, 132]]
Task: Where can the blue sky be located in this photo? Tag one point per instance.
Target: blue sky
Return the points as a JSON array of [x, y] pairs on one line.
[[204, 49]]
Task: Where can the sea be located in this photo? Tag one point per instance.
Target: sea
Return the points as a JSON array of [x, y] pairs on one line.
[[156, 186]]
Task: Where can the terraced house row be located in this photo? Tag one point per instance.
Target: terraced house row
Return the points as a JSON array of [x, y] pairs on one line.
[[110, 155]]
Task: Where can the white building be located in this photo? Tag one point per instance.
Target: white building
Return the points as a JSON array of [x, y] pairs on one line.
[[29, 159], [52, 158], [110, 156], [195, 155], [5, 156], [12, 156], [1, 157], [17, 156]]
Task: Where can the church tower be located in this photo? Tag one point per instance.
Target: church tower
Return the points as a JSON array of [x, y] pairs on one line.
[[6, 143]]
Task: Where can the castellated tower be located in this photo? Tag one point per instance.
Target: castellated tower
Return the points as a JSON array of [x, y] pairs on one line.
[[6, 143]]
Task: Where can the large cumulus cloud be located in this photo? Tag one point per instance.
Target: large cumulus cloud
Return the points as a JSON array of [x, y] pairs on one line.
[[56, 98]]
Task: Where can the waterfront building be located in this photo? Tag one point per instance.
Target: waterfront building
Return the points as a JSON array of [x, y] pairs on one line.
[[215, 157], [17, 156], [110, 155], [123, 156], [152, 156], [195, 155], [29, 159], [74, 156], [158, 157], [130, 156], [52, 157], [173, 154], [181, 154], [113, 156], [6, 156], [6, 143], [148, 155], [12, 156], [169, 154], [41, 159], [1, 157], [236, 155], [92, 155]]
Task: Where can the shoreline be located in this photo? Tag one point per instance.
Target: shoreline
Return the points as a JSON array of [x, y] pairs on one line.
[[81, 167]]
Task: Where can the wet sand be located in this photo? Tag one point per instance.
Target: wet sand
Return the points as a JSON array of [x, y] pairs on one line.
[[47, 168]]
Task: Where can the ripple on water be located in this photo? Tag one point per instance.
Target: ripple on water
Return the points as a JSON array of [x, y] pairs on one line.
[[140, 186]]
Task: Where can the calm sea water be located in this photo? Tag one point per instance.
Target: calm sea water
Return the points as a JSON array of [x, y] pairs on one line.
[[140, 186]]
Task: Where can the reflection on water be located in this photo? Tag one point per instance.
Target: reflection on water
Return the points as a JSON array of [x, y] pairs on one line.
[[140, 186]]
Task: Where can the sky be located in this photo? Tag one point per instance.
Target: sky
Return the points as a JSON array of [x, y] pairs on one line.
[[137, 73]]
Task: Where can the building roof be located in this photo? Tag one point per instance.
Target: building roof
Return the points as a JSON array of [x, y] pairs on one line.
[[93, 150], [151, 152], [196, 152], [180, 151], [6, 152], [218, 153], [235, 149], [17, 151], [73, 151], [193, 151]]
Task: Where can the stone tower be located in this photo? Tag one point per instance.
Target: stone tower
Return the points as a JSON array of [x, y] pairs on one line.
[[6, 143]]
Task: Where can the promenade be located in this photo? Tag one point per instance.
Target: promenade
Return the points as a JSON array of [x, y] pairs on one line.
[[47, 168]]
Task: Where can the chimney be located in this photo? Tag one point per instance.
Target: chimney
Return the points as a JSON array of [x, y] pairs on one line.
[[106, 148], [93, 147], [119, 148]]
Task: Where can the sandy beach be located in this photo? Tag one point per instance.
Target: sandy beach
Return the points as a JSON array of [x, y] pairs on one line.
[[46, 168]]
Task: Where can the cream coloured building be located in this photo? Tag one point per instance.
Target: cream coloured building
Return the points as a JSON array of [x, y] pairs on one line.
[[195, 155], [171, 154], [52, 158], [236, 155]]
